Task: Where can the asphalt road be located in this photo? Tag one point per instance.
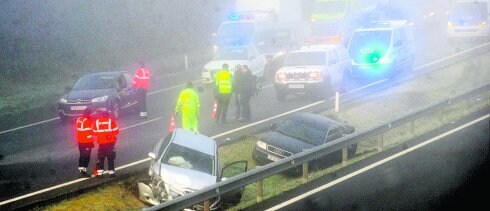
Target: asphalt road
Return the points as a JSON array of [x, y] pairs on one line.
[[43, 155], [449, 173]]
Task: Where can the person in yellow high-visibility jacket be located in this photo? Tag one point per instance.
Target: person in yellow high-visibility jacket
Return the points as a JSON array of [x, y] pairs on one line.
[[222, 92], [189, 104]]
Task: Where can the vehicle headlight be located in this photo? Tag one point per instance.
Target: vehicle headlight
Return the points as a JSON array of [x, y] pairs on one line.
[[215, 48], [281, 76], [100, 99], [431, 14], [385, 60], [483, 23], [63, 100], [261, 144], [280, 53], [450, 24]]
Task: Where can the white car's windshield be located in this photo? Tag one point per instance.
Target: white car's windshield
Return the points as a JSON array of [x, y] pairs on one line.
[[184, 157], [306, 59], [474, 12]]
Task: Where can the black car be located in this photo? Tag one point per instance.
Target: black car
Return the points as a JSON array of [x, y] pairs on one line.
[[111, 91], [299, 132]]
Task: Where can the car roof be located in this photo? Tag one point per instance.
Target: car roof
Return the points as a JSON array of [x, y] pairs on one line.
[[320, 122], [384, 25], [194, 141], [108, 73]]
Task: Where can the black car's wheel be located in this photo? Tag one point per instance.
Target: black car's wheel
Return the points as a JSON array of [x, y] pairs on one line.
[[325, 90], [116, 109]]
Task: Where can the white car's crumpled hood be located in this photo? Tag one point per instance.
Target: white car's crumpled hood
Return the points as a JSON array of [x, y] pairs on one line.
[[186, 178]]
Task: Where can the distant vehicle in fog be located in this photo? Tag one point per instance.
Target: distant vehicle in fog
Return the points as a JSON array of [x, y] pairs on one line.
[[315, 70], [469, 19], [233, 55], [109, 91], [383, 49]]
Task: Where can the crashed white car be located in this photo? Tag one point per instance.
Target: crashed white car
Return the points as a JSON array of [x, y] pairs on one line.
[[233, 55], [184, 162]]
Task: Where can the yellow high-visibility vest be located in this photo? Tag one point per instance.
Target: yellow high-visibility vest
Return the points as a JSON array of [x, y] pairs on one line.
[[223, 81], [188, 100]]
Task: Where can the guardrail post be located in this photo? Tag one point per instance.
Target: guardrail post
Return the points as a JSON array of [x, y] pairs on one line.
[[260, 190], [206, 205], [305, 173], [345, 156], [380, 143]]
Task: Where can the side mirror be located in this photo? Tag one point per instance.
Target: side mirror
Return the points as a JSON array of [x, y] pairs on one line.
[[273, 126], [224, 178], [152, 156]]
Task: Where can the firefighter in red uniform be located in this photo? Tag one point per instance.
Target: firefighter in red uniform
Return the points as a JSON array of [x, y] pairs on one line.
[[105, 129], [141, 82], [85, 141]]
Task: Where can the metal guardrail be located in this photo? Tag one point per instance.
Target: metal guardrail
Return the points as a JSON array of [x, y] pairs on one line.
[[271, 169]]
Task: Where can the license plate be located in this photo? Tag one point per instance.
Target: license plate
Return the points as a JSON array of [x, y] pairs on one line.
[[78, 108], [270, 157], [296, 86]]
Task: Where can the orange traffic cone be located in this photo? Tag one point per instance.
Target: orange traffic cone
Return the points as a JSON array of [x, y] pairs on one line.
[[172, 124], [215, 107], [95, 169]]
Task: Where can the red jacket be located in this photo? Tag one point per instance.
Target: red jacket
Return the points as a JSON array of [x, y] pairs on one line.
[[84, 130], [105, 129], [141, 78]]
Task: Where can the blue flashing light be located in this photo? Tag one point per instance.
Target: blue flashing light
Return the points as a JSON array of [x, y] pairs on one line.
[[234, 17]]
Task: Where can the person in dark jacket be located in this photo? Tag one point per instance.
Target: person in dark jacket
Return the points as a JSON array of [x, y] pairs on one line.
[[245, 84]]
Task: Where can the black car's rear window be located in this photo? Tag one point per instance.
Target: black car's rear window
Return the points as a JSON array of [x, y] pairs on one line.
[[89, 82], [303, 130]]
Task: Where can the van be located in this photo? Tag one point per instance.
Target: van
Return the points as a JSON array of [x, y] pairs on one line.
[[316, 70], [384, 48], [469, 19]]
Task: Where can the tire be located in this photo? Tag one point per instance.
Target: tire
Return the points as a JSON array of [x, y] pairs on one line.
[[325, 91], [116, 110], [280, 95], [64, 119]]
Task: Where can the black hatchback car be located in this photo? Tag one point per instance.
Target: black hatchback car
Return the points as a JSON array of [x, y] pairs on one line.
[[299, 132], [110, 91]]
